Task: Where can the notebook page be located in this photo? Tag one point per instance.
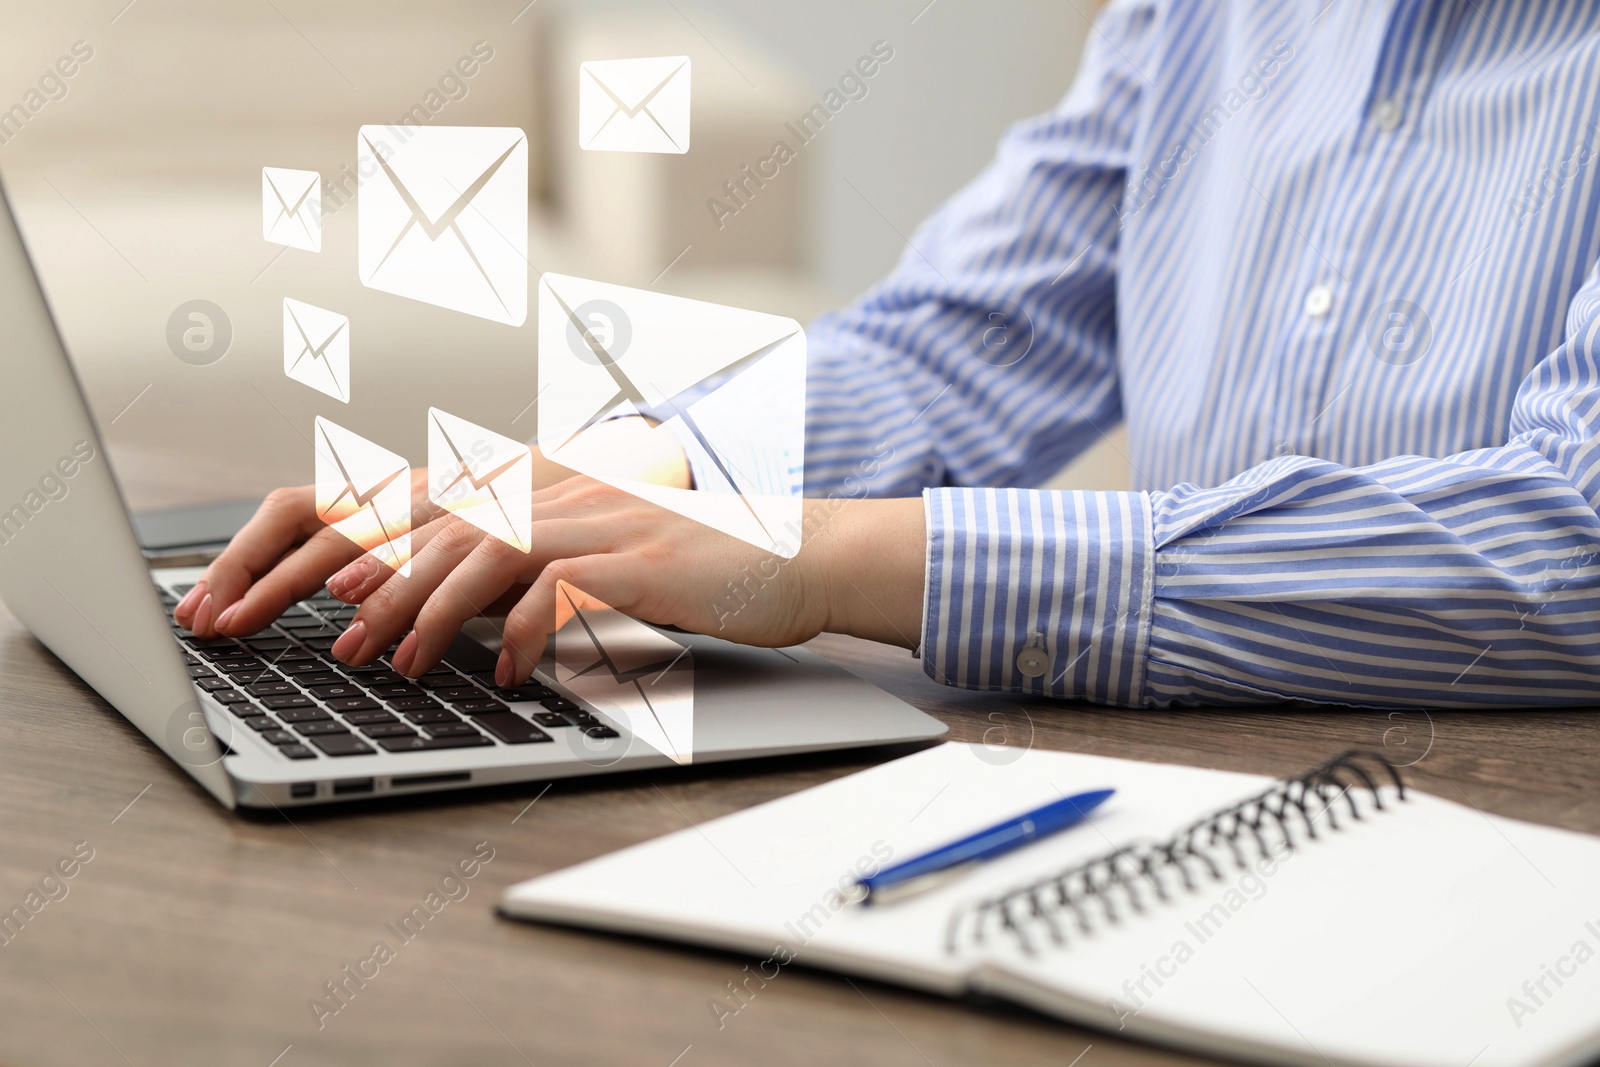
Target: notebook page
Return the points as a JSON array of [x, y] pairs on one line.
[[1405, 939], [771, 876]]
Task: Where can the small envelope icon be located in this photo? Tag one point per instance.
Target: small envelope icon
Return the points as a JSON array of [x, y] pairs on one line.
[[443, 217], [484, 477], [291, 208], [634, 105], [316, 348], [727, 385], [630, 671], [364, 492]]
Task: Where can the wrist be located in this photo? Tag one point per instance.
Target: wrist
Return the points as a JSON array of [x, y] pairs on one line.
[[866, 559]]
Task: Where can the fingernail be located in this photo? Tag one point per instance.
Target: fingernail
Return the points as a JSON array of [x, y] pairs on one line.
[[190, 599], [352, 577], [405, 654], [202, 617], [222, 620], [350, 641], [504, 670]]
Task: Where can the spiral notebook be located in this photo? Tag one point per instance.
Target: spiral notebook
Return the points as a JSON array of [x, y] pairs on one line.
[[1332, 917]]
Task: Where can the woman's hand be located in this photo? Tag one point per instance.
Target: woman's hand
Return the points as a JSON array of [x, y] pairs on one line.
[[860, 572], [285, 553]]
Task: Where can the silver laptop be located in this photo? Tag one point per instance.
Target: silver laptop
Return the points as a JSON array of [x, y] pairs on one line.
[[272, 720]]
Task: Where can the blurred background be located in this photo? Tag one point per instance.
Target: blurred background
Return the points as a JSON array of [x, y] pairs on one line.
[[137, 182]]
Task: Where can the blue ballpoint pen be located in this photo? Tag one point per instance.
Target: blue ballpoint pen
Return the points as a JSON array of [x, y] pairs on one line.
[[950, 861]]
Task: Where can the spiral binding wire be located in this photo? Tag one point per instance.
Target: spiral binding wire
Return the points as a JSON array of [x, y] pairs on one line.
[[1127, 879]]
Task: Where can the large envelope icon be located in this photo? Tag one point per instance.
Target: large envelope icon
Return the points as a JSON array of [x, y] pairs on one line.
[[727, 385], [481, 476], [634, 105], [364, 492], [630, 671], [316, 348], [291, 208], [443, 217]]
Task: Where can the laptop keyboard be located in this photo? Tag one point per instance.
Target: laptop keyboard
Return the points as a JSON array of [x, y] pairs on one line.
[[283, 683]]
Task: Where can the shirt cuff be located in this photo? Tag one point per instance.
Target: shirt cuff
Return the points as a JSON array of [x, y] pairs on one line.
[[1039, 591]]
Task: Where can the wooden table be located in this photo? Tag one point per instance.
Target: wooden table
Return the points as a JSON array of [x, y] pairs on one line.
[[198, 937]]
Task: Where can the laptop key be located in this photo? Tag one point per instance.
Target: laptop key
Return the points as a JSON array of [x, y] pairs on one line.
[[304, 671], [269, 641], [197, 672], [394, 692], [555, 703], [549, 718], [442, 681], [424, 715], [449, 729], [414, 704], [352, 703], [432, 744], [342, 744], [335, 690], [261, 723], [293, 654], [364, 718], [271, 689], [303, 714], [511, 728], [287, 702], [469, 692], [279, 737], [304, 621], [389, 729], [321, 726], [297, 751], [228, 696], [479, 706], [191, 660], [600, 731], [524, 692], [211, 681], [321, 644]]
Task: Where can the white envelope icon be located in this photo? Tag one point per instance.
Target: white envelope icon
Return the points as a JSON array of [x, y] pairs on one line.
[[630, 671], [728, 385], [291, 208], [484, 477], [316, 348], [443, 217], [364, 492], [634, 105]]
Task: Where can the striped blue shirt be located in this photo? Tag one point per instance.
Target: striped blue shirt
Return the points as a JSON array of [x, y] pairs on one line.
[[1333, 262]]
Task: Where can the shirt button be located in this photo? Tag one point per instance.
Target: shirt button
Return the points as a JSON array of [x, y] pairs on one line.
[[1033, 661], [1319, 301], [1388, 115]]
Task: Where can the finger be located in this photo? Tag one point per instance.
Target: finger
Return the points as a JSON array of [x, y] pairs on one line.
[[286, 517], [387, 613], [482, 580], [529, 625], [470, 590], [295, 577], [356, 582]]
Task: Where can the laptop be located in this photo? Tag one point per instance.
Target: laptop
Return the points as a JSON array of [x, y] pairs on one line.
[[273, 721]]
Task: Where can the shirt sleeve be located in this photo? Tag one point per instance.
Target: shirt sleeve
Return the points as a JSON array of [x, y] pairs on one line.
[[1467, 581], [988, 355]]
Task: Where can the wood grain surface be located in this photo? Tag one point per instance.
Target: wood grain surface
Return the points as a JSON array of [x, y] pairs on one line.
[[194, 936]]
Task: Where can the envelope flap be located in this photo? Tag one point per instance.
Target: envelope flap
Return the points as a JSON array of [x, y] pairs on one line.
[[632, 81], [481, 451], [673, 343], [319, 324], [365, 465], [291, 185], [627, 647], [441, 169]]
